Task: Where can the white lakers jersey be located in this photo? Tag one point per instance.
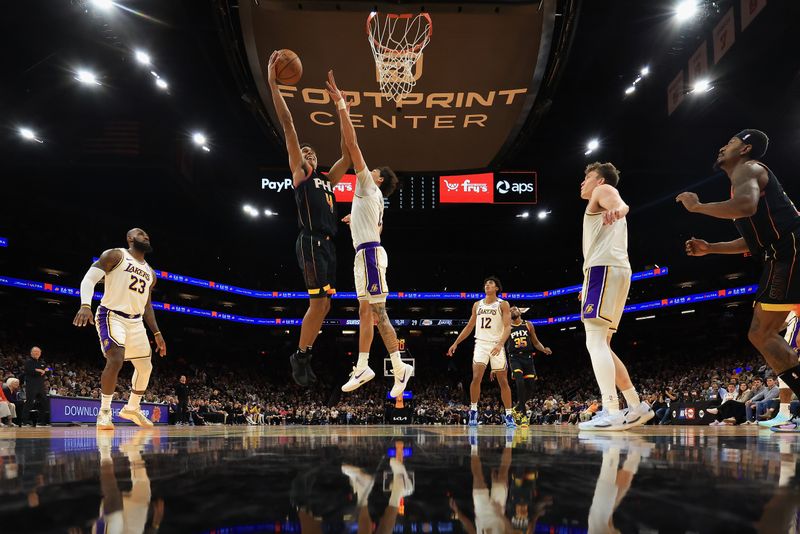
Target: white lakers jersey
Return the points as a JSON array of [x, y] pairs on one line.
[[127, 286], [366, 216], [604, 245], [489, 325]]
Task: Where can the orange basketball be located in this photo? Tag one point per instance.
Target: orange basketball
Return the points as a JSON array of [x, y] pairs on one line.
[[288, 68]]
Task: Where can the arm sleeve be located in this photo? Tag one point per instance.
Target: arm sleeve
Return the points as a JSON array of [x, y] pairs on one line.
[[93, 275], [364, 184]]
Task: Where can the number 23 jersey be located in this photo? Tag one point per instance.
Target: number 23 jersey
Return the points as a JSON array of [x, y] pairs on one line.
[[127, 285], [489, 325]]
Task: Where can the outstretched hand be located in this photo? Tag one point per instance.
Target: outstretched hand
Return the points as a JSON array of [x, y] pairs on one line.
[[333, 90], [271, 67], [697, 247]]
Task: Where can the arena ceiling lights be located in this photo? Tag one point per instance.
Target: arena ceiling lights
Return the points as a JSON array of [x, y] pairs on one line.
[[476, 81]]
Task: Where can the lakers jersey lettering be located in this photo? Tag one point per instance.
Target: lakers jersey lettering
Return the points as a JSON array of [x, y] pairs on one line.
[[489, 324], [128, 285]]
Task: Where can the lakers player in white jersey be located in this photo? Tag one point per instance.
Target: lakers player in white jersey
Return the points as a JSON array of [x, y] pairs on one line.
[[369, 270], [607, 279], [491, 320], [129, 282]]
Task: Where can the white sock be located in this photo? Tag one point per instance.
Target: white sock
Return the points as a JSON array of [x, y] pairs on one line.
[[784, 410], [508, 411], [363, 360], [134, 400], [105, 401], [397, 363], [474, 406], [473, 450], [603, 365], [632, 398], [786, 473]]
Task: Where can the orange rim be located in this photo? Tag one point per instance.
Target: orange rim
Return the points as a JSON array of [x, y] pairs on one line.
[[386, 50]]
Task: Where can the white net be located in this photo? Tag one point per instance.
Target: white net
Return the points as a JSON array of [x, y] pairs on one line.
[[397, 42]]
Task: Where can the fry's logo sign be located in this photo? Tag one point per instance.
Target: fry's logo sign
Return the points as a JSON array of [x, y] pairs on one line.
[[471, 188]]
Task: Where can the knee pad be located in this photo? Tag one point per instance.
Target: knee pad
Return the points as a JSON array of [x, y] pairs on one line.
[[142, 367]]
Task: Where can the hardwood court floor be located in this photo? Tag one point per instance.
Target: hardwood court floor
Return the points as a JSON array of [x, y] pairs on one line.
[[364, 479]]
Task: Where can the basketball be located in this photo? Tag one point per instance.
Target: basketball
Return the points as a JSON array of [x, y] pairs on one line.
[[288, 68]]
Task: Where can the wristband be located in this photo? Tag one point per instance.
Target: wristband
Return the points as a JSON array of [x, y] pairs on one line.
[[86, 306], [157, 333], [341, 104]]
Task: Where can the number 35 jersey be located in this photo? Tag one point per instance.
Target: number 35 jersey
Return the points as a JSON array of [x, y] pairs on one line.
[[489, 325], [127, 285]]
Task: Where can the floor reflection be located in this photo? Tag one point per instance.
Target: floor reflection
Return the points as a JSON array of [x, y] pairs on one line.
[[407, 479]]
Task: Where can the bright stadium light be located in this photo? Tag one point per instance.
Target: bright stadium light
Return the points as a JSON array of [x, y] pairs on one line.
[[86, 77], [591, 146], [161, 84], [105, 5], [685, 10], [645, 71], [270, 213], [142, 57], [630, 89], [543, 214], [701, 86], [29, 135], [250, 210], [523, 215], [199, 139]]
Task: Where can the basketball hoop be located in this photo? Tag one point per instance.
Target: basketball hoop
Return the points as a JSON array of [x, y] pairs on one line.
[[397, 42]]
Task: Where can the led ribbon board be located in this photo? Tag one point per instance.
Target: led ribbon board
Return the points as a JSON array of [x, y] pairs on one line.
[[400, 295], [279, 321]]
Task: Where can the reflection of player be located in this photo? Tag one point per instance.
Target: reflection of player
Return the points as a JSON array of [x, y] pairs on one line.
[[489, 504], [366, 225], [492, 317], [123, 513], [127, 299], [316, 211], [520, 349], [782, 512], [613, 484], [769, 225], [525, 505], [402, 486], [607, 279]]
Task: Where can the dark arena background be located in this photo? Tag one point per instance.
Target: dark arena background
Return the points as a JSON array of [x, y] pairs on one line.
[[158, 115]]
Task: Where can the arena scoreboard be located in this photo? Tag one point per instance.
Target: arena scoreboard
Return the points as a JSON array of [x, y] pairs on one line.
[[426, 192]]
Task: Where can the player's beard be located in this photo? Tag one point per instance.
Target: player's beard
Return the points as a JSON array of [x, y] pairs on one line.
[[142, 246]]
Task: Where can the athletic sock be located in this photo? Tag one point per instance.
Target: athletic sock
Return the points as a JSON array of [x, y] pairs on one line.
[[508, 411], [105, 401], [397, 363], [784, 409], [632, 398], [363, 360], [474, 406], [133, 401], [792, 378]]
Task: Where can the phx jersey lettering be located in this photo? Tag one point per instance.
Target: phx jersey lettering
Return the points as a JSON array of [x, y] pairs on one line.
[[773, 233], [488, 331], [316, 253], [119, 317], [520, 351]]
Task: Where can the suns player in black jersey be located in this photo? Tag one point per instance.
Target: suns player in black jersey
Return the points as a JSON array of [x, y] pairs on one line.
[[521, 345], [316, 210], [769, 225]]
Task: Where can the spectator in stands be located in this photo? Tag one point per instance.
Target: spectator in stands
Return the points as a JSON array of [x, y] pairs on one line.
[[759, 403]]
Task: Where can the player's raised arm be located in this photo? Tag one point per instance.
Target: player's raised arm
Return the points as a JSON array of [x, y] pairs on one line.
[[107, 261], [348, 130], [536, 343], [340, 167], [608, 198], [296, 163], [743, 202], [701, 247], [467, 330]]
